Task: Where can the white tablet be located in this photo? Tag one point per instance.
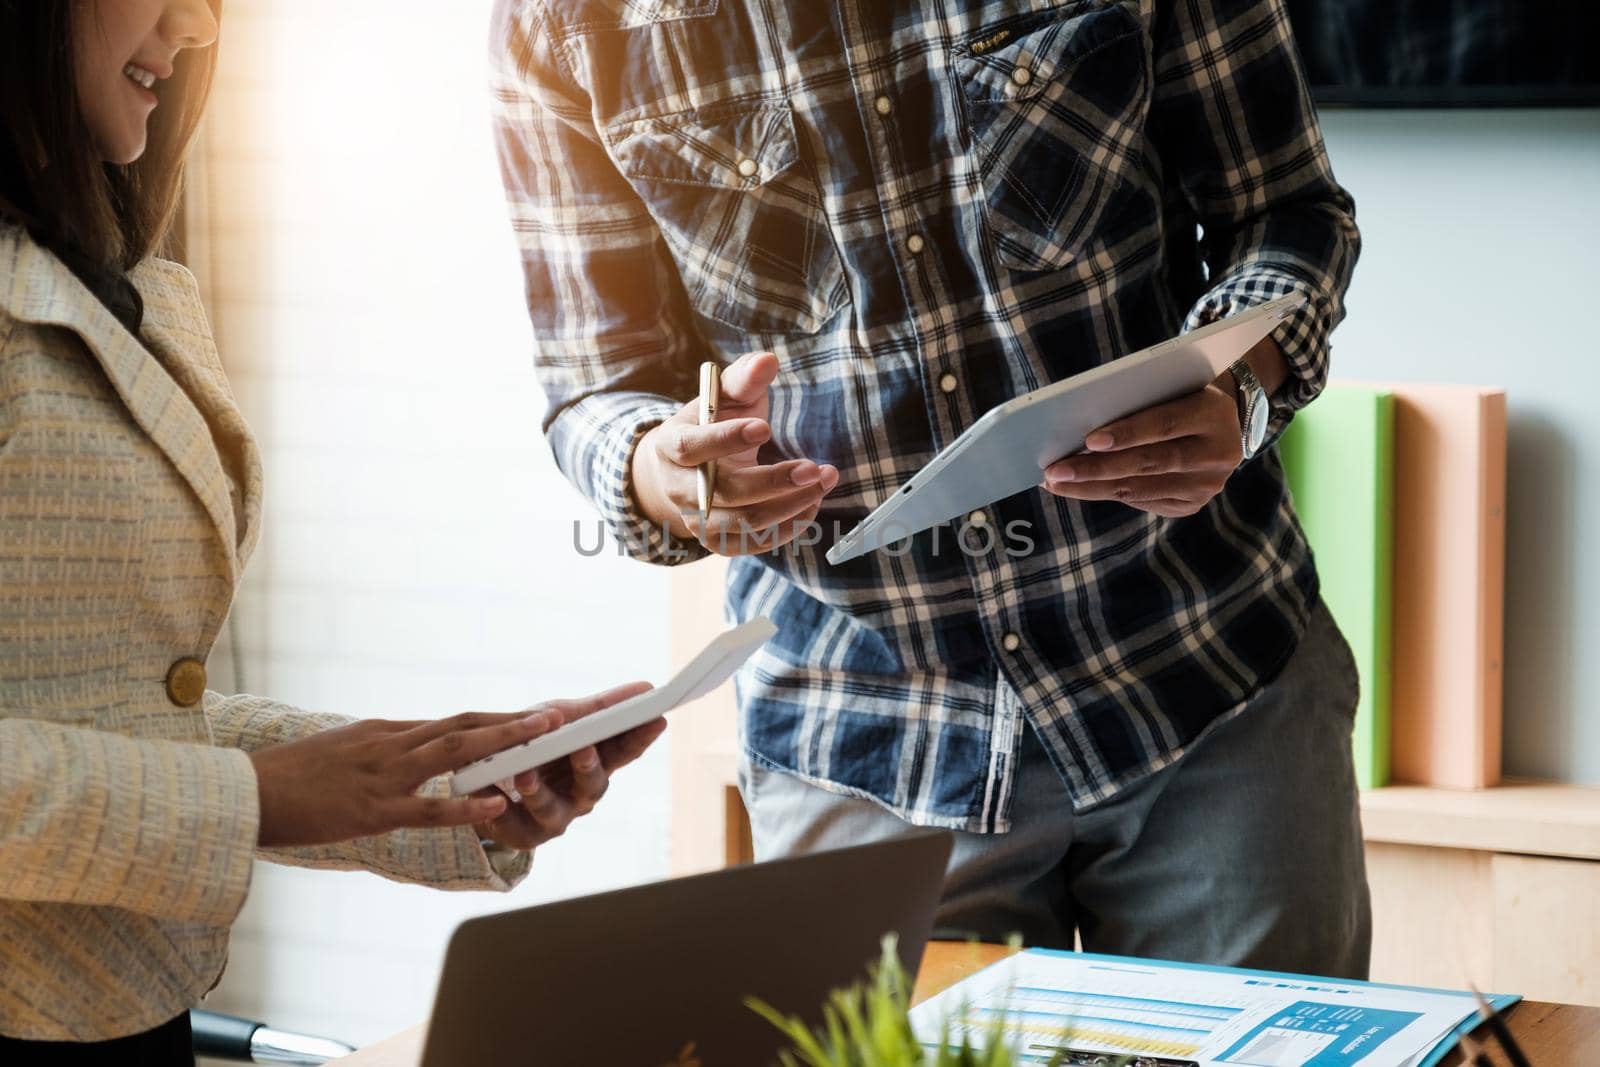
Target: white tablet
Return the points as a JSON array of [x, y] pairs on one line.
[[1007, 450], [714, 665]]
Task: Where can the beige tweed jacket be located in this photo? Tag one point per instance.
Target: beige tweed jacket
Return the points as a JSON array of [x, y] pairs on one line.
[[130, 498]]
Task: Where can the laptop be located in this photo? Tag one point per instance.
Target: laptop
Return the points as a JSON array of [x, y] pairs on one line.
[[631, 978]]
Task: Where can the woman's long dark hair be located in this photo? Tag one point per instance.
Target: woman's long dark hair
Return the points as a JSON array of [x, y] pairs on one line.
[[51, 178]]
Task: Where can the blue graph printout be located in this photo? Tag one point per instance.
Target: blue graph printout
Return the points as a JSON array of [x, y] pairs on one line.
[[1045, 1003], [1335, 1035]]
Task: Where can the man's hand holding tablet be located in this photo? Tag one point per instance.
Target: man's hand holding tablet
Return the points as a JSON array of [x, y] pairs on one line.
[[1159, 429], [1170, 459]]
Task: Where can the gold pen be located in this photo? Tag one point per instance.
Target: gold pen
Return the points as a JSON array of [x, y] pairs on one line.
[[710, 389]]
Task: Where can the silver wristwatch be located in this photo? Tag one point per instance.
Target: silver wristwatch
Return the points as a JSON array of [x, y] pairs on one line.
[[1254, 409]]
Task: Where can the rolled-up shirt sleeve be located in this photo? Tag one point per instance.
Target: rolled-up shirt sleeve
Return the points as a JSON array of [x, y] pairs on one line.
[[611, 348], [1233, 116]]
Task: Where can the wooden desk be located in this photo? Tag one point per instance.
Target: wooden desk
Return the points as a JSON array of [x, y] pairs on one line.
[[1553, 1035]]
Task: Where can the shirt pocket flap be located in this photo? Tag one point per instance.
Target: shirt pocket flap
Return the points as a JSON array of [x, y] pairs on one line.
[[741, 212], [739, 148], [1017, 62]]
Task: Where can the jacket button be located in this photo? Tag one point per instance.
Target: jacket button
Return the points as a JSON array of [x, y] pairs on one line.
[[186, 682]]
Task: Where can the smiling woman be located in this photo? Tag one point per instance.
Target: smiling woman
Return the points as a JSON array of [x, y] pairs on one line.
[[120, 51], [73, 110], [133, 798]]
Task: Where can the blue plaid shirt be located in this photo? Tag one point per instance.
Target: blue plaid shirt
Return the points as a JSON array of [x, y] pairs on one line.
[[924, 210]]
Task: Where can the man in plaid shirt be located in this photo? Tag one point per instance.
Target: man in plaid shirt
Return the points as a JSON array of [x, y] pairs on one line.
[[884, 218]]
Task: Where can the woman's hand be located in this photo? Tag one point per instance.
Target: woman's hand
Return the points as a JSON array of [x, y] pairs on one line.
[[756, 507], [1170, 459], [555, 794], [362, 778]]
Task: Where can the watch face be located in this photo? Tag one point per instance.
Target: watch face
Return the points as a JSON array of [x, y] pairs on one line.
[[1258, 422]]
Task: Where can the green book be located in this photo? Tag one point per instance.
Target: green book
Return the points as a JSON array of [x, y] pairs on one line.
[[1338, 454]]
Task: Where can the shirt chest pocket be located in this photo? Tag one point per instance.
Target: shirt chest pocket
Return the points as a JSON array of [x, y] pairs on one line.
[[1056, 110], [741, 213]]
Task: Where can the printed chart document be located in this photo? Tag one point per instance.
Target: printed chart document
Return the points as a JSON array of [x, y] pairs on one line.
[[1214, 1017]]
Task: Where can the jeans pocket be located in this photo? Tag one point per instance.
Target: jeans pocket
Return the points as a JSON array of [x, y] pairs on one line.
[[741, 212], [1336, 668], [1055, 108]]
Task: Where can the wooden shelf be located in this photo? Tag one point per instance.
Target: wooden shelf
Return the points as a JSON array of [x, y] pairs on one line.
[[1533, 818]]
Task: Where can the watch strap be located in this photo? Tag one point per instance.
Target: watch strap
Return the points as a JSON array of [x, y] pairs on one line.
[[1245, 379], [1248, 394]]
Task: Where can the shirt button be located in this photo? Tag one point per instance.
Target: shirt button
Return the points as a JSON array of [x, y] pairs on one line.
[[914, 243], [1021, 75], [947, 383], [978, 518], [748, 168], [1011, 642], [186, 682], [882, 105]]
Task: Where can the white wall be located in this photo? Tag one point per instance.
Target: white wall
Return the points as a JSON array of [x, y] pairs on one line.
[[417, 558], [1481, 265]]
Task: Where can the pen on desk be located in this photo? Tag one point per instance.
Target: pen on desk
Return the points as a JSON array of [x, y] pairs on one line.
[[1472, 1054], [706, 475], [1497, 1026]]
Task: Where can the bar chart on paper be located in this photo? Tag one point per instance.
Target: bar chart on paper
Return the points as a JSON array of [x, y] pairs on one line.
[[1056, 1018], [1167, 1015]]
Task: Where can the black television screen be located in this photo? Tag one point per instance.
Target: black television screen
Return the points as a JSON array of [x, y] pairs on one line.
[[1431, 53]]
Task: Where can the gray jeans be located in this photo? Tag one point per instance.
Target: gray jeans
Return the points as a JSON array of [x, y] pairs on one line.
[[1246, 852]]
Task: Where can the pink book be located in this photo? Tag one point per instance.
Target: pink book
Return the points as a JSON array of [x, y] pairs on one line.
[[1449, 583]]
